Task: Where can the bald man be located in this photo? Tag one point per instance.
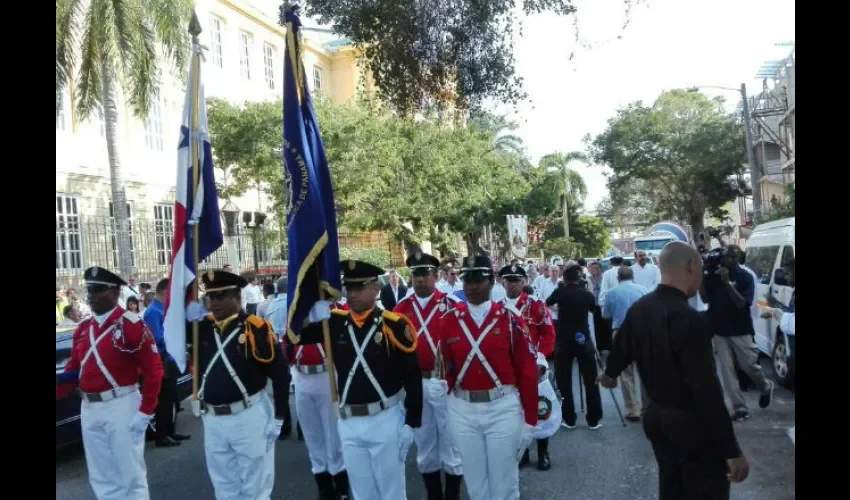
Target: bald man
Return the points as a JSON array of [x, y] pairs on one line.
[[686, 420]]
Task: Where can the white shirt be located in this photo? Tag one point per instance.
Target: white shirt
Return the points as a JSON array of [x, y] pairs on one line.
[[263, 307], [276, 314], [648, 276], [251, 294], [609, 281], [479, 313], [498, 293], [101, 318], [423, 303], [450, 289], [547, 286], [126, 293]]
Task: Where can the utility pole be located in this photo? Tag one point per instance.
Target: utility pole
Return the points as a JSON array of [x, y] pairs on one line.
[[755, 171], [566, 204]]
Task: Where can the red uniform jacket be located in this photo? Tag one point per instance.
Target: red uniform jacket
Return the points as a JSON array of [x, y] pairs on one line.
[[127, 351], [309, 354], [536, 315], [433, 315], [506, 347]]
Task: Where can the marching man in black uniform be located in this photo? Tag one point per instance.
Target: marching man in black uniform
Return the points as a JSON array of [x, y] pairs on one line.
[[375, 353], [237, 354]]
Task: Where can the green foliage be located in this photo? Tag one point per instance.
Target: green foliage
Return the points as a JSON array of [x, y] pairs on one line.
[[590, 232], [380, 258], [781, 209], [433, 52], [247, 142], [681, 155], [566, 248], [123, 41]]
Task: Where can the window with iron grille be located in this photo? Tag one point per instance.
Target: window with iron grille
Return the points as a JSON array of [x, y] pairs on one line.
[[269, 54], [114, 235], [69, 252], [153, 126], [163, 220], [245, 54], [216, 39]]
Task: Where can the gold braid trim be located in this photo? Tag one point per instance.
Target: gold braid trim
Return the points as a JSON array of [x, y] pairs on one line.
[[391, 336], [249, 333]]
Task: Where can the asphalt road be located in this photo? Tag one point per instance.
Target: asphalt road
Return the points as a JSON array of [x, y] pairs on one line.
[[613, 463]]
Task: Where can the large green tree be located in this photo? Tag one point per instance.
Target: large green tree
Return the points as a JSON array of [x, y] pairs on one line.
[[427, 53], [107, 48], [682, 153]]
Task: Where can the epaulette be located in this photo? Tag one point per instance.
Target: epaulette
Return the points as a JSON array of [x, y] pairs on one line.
[[256, 321], [339, 312], [131, 317], [390, 316]]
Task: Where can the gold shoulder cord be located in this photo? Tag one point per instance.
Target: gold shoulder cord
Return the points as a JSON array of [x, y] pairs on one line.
[[389, 333], [249, 332]]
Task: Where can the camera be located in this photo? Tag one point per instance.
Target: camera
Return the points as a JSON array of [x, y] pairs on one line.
[[713, 259]]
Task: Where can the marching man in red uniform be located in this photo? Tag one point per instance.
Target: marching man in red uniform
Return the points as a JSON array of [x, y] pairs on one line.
[[435, 449], [541, 331], [492, 375], [109, 351]]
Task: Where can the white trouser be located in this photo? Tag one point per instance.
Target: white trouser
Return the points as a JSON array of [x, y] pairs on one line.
[[487, 435], [318, 420], [240, 468], [435, 448], [370, 448], [116, 465]]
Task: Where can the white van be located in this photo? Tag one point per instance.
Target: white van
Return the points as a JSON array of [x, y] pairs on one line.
[[770, 246]]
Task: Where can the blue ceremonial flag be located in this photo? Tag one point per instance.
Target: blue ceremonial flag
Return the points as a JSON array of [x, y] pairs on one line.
[[311, 222]]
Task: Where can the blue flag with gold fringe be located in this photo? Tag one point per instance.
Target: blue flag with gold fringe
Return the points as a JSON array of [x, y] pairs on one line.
[[311, 221]]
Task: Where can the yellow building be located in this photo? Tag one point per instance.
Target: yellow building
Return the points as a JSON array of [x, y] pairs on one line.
[[244, 62]]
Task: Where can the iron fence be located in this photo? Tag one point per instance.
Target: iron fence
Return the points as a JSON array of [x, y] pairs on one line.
[[85, 241]]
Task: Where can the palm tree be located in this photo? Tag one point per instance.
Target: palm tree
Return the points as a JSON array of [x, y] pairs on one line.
[[107, 46], [575, 190]]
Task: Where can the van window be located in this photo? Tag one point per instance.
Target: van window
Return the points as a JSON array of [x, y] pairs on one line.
[[761, 261], [787, 255]]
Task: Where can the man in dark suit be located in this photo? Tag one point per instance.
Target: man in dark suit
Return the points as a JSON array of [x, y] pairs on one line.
[[392, 292]]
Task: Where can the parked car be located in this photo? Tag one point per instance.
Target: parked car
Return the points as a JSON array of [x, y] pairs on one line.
[[68, 430], [769, 248]]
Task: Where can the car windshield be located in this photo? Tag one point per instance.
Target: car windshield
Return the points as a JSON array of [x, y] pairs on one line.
[[652, 244]]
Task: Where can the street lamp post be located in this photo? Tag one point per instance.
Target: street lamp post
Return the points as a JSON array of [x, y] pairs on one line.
[[755, 172], [254, 221]]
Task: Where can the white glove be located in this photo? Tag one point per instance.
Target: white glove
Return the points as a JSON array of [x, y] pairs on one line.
[[437, 389], [405, 439], [526, 436], [320, 311], [272, 432], [195, 311], [138, 426]]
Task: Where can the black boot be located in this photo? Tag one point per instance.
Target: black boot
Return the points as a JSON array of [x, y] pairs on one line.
[[325, 482], [453, 487], [543, 454], [433, 485], [341, 482], [524, 460]]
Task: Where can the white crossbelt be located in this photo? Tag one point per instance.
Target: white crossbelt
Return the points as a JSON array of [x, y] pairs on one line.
[[93, 351], [423, 328], [221, 355], [360, 360], [475, 352]]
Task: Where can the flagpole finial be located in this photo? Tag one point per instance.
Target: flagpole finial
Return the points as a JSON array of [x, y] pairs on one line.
[[195, 26]]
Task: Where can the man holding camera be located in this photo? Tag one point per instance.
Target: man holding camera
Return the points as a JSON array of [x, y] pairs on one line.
[[729, 292]]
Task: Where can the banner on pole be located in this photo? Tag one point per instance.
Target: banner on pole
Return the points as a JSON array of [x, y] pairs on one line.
[[518, 232]]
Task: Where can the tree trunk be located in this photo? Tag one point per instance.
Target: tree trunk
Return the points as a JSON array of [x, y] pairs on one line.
[[698, 227], [472, 243], [119, 196]]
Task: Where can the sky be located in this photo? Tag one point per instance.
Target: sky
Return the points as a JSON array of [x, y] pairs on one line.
[[667, 44]]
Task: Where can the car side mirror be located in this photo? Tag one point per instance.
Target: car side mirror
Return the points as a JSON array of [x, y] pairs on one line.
[[779, 278]]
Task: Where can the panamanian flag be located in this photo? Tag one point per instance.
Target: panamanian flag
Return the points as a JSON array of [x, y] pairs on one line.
[[202, 210]]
